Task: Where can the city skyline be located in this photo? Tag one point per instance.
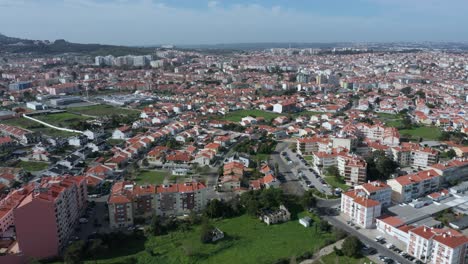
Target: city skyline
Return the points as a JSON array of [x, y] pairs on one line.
[[181, 22]]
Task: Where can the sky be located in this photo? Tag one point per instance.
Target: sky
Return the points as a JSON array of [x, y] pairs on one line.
[[152, 22]]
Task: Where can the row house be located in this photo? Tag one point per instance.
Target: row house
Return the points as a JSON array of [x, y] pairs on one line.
[[23, 136], [267, 181]]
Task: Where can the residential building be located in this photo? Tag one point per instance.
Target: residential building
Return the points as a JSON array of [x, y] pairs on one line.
[[412, 186], [378, 191], [55, 206], [128, 201], [361, 210]]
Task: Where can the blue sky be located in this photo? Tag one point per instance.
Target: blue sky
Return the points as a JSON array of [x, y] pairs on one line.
[[144, 22]]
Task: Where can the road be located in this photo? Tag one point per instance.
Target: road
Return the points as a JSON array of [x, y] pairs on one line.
[[291, 185], [295, 184], [382, 250]]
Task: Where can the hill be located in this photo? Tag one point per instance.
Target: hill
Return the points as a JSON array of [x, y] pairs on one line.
[[18, 45]]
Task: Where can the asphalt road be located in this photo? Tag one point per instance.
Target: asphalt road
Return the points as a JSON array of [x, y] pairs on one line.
[[382, 250], [291, 185], [294, 184]]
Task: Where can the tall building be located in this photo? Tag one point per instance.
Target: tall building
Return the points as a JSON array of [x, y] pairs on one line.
[[437, 246], [360, 209], [42, 216], [128, 201], [412, 186]]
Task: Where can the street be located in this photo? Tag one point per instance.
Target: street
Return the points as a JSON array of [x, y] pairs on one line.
[[294, 172], [381, 249]]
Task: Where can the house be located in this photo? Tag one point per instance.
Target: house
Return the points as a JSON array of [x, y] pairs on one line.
[[123, 132], [284, 107], [271, 217]]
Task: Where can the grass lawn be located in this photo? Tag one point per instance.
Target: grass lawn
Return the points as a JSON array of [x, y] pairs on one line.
[[32, 166], [61, 119], [309, 158], [101, 110], [426, 132], [236, 116], [391, 120], [261, 157], [247, 240], [335, 183], [308, 113], [152, 177], [333, 258]]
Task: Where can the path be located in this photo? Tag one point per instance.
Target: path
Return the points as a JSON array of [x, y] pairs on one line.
[[52, 126], [323, 252]]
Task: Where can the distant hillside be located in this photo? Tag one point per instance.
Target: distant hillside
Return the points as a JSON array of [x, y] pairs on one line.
[[18, 45]]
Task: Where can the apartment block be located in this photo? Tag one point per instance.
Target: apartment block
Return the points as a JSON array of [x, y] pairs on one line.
[[412, 186], [437, 246], [360, 209], [352, 168], [128, 201], [45, 219], [378, 191], [411, 154]]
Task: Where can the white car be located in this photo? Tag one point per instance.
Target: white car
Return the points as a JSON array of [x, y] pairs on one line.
[[83, 220]]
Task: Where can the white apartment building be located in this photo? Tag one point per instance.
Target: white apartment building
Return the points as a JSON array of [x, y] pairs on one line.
[[359, 209], [378, 191], [412, 186], [437, 246]]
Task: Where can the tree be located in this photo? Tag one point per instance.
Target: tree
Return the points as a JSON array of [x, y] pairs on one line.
[[156, 227], [252, 206], [351, 247], [215, 209], [308, 200], [379, 166], [74, 253], [451, 154], [324, 226], [145, 162], [333, 171], [406, 91]]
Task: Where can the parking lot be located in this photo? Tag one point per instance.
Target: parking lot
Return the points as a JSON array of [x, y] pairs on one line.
[[307, 177]]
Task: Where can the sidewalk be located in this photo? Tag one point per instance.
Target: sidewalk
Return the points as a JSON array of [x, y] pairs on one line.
[[323, 252]]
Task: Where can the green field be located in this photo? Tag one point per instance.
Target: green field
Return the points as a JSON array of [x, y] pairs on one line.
[[32, 166], [332, 258], [427, 133], [391, 120], [247, 240], [61, 119], [236, 116], [335, 183], [101, 110], [152, 177]]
